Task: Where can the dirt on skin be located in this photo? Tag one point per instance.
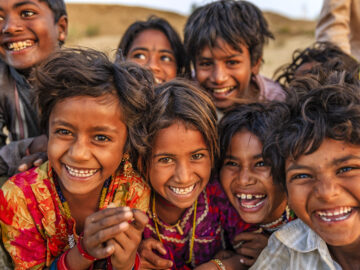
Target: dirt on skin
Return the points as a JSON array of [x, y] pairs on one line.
[[101, 27]]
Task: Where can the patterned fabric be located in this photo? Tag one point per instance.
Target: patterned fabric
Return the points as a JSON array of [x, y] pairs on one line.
[[215, 217], [295, 247], [33, 220]]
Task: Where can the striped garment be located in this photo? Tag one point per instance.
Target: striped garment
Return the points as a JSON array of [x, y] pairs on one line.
[[295, 246]]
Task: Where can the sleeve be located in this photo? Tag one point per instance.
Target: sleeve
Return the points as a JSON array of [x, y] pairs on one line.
[[140, 195], [334, 23], [11, 156], [20, 236], [274, 256]]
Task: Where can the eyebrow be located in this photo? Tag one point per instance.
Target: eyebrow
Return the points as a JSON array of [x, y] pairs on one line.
[[16, 5], [166, 51], [139, 49], [172, 155], [96, 128], [233, 157]]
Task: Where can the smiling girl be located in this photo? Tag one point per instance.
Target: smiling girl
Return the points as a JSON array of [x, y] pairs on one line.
[[244, 175], [155, 45], [73, 211], [187, 212]]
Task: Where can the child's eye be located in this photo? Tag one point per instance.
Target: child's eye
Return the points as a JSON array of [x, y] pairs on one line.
[[345, 169], [300, 176], [260, 164], [101, 138], [165, 160], [232, 62], [140, 56], [205, 64], [197, 156], [166, 58], [231, 163], [62, 131], [27, 13]]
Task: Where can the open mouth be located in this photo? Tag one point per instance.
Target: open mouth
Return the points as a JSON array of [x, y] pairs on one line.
[[250, 201], [333, 215], [158, 81], [19, 45], [222, 91], [80, 172], [182, 191]]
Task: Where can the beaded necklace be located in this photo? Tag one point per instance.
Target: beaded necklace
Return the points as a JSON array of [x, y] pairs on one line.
[[71, 238], [156, 222], [286, 217]]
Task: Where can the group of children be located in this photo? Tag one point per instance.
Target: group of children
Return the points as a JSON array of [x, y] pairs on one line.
[[176, 155]]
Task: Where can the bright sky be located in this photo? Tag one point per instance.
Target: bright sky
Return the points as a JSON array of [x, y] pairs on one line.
[[308, 9]]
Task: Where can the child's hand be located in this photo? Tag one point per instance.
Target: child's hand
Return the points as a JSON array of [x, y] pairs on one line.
[[253, 244], [125, 243], [37, 154], [102, 226], [149, 259]]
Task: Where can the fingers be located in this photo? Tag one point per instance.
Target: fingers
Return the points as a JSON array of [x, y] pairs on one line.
[[140, 220], [29, 161], [154, 261], [152, 244], [246, 261], [245, 236]]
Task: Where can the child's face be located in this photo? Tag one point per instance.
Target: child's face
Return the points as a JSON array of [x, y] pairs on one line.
[[86, 141], [248, 183], [180, 165], [225, 72], [152, 49], [324, 191], [29, 33]]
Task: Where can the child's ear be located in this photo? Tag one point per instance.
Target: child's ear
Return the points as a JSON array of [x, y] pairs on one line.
[[255, 69], [62, 25]]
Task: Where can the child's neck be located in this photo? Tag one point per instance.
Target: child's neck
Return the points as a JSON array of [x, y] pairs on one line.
[[166, 211], [346, 256], [82, 205]]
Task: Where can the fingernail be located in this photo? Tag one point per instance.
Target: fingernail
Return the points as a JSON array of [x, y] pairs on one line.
[[123, 225], [241, 260], [109, 249], [38, 162], [22, 167], [163, 251]]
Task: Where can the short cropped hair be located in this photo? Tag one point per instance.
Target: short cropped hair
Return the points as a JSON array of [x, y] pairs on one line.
[[325, 54], [257, 118], [58, 8], [181, 101], [153, 22], [85, 72], [325, 111], [236, 22]]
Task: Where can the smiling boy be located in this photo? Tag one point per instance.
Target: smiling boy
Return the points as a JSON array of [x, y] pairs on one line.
[[316, 157], [224, 41], [29, 32]]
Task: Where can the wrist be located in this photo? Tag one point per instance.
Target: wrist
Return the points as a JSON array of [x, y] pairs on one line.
[[219, 264]]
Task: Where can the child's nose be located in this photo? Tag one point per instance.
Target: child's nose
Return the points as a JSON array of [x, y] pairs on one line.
[[153, 65], [219, 74], [245, 177], [326, 189], [79, 150], [183, 173], [11, 25]]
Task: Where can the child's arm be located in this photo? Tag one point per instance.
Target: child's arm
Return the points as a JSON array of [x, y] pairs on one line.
[[149, 259]]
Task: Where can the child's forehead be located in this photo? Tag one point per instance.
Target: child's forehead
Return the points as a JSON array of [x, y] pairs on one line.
[[225, 47]]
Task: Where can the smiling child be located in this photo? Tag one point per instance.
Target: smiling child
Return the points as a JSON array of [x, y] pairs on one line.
[[224, 41], [316, 158], [73, 211], [156, 45], [187, 211]]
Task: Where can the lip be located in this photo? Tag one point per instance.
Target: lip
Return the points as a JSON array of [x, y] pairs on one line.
[[221, 92], [16, 46], [159, 80], [176, 191], [256, 205]]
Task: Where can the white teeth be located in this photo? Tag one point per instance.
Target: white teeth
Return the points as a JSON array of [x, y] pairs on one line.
[[341, 211], [182, 191], [252, 206], [222, 90], [158, 81], [244, 196], [80, 173], [20, 45]]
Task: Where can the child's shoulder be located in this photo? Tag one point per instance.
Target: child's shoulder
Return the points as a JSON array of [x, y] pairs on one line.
[[269, 90]]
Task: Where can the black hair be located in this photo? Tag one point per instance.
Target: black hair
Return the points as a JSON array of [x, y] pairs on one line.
[[181, 101], [257, 118], [324, 54], [85, 72], [153, 22], [330, 110], [236, 22]]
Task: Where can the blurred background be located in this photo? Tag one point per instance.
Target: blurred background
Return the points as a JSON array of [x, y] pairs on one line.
[[99, 24]]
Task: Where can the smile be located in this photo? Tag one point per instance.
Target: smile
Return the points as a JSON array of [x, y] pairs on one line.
[[249, 201], [338, 214], [80, 172], [158, 81], [224, 90], [20, 45], [182, 191]]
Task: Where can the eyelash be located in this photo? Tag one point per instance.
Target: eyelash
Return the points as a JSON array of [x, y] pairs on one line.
[[103, 138]]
